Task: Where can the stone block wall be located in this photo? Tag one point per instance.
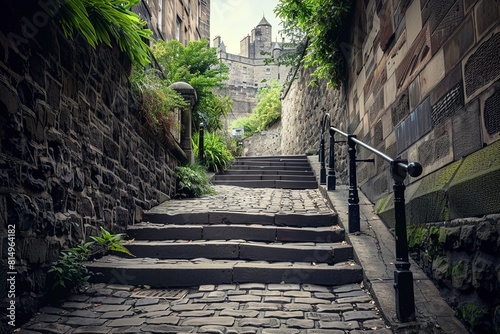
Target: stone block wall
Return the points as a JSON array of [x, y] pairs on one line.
[[462, 257], [74, 152], [303, 108], [264, 143], [423, 84]]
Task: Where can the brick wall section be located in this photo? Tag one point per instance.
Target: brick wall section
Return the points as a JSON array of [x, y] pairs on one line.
[[74, 154]]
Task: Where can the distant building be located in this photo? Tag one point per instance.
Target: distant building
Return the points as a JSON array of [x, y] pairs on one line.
[[248, 70], [181, 20]]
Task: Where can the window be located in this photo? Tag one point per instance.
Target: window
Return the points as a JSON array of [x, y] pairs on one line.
[[245, 70], [178, 24], [268, 70], [160, 15]]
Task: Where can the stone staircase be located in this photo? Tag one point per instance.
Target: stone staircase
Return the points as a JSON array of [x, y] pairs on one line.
[[285, 172], [219, 247]]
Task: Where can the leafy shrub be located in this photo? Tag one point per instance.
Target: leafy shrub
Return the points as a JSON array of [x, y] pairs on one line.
[[199, 66], [218, 157], [69, 273], [267, 111], [158, 100], [192, 181]]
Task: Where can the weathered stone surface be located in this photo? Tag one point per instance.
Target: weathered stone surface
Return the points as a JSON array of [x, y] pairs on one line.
[[259, 322], [360, 315], [223, 321], [339, 325], [126, 322]]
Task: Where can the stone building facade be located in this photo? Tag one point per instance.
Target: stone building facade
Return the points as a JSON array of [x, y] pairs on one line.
[[248, 70], [423, 84], [181, 20], [76, 153]]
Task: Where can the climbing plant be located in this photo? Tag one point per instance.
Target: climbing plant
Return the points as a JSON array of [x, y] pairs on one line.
[[313, 26]]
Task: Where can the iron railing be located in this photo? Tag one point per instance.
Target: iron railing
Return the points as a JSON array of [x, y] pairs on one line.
[[399, 169]]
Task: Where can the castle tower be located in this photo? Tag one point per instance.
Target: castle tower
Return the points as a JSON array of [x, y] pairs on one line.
[[262, 37]]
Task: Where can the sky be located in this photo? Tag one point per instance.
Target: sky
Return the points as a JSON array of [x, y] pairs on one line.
[[233, 20]]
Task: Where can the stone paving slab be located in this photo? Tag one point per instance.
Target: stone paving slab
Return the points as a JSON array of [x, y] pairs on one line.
[[259, 200], [230, 308]]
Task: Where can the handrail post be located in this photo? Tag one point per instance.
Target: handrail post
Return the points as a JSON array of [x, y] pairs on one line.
[[353, 218], [322, 171], [332, 178], [403, 277], [201, 144]]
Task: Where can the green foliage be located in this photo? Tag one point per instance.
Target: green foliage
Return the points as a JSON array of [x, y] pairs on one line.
[[198, 65], [314, 26], [158, 100], [218, 157], [267, 111], [471, 313], [69, 273], [192, 181], [102, 21], [249, 124]]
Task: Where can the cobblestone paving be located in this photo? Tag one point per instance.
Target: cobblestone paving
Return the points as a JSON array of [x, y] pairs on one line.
[[244, 308], [251, 200]]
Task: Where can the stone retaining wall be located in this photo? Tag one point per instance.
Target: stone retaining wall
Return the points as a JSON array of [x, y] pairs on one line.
[[304, 106], [74, 154], [423, 84], [462, 257]]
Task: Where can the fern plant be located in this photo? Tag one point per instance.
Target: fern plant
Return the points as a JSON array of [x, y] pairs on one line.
[[218, 157], [69, 273], [102, 21]]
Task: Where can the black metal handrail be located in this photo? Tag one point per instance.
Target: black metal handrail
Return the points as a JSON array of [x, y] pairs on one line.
[[399, 168]]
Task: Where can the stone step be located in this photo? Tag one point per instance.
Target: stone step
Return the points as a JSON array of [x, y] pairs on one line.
[[183, 273], [266, 172], [265, 177], [291, 158], [239, 249], [255, 232], [236, 218], [263, 163], [280, 184], [304, 168]]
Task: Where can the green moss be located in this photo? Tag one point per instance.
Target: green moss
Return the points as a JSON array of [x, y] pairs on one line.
[[442, 235], [471, 313], [382, 203], [417, 235], [457, 269]]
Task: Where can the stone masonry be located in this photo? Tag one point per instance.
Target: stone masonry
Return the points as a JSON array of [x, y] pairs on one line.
[[421, 83], [74, 154]]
